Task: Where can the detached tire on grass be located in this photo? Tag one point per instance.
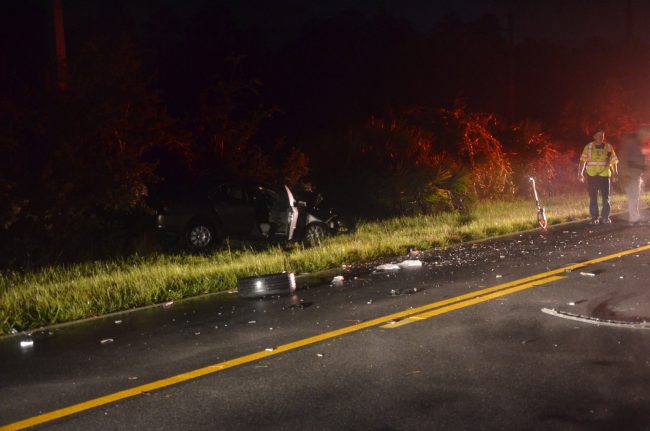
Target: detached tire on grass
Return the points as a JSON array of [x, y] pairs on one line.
[[283, 283]]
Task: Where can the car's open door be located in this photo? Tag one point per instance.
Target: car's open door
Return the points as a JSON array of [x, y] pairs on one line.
[[284, 215]]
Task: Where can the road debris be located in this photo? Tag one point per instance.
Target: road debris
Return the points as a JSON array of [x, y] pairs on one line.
[[399, 292], [252, 321], [118, 322], [269, 349], [412, 252], [387, 267], [168, 304], [107, 341], [410, 263], [320, 355], [588, 274], [595, 320], [337, 281], [27, 343]]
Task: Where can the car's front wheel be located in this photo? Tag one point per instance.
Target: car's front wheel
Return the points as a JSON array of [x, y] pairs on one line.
[[200, 236], [315, 233]]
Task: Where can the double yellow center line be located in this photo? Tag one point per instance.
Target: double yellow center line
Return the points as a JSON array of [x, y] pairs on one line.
[[389, 321]]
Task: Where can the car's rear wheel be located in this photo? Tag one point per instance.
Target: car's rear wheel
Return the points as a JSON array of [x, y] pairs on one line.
[[315, 233], [200, 236]]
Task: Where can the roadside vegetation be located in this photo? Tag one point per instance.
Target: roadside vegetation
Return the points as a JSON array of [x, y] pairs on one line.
[[64, 293]]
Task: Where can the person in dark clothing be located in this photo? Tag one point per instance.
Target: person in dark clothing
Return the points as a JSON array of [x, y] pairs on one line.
[[633, 165]]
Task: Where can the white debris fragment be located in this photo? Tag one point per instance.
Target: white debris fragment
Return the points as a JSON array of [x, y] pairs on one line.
[[621, 277], [387, 267], [27, 343], [588, 274], [502, 257], [369, 302], [320, 355], [269, 349], [337, 281], [571, 303], [118, 322], [14, 331], [107, 341], [410, 263], [499, 276], [252, 321], [168, 304]]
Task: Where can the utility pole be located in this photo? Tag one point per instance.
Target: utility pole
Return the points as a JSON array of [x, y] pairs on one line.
[[59, 46], [512, 92]]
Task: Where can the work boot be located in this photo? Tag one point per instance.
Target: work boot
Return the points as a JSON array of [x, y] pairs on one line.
[[607, 220], [594, 221]]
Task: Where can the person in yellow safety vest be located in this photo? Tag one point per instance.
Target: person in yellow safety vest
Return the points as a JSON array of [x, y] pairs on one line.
[[600, 161]]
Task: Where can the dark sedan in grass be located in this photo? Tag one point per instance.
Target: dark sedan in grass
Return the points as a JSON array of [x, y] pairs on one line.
[[200, 219]]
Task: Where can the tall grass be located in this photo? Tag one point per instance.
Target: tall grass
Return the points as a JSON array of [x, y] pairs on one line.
[[60, 294]]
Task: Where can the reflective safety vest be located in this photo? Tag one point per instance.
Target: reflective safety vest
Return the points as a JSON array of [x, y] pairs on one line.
[[599, 160]]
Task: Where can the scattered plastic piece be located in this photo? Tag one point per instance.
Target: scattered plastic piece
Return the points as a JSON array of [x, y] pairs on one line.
[[107, 341], [369, 302], [133, 377], [252, 321], [588, 274], [14, 331], [27, 343], [571, 303], [499, 275], [197, 333], [118, 322], [337, 281], [168, 304], [410, 263], [412, 252], [269, 349], [320, 355], [398, 292], [387, 267]]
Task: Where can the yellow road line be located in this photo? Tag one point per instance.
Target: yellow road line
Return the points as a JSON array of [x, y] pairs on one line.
[[159, 384], [469, 302]]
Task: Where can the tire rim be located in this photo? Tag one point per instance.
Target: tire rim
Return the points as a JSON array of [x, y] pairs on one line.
[[200, 236], [315, 234]]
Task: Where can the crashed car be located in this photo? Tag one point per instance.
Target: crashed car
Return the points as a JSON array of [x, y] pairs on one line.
[[203, 219]]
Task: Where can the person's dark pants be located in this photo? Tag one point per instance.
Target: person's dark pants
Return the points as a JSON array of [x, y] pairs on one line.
[[594, 185]]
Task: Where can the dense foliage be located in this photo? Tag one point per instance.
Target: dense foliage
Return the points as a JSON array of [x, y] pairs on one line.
[[382, 118]]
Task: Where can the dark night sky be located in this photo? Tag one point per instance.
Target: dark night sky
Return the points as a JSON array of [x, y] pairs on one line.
[[559, 20], [567, 20]]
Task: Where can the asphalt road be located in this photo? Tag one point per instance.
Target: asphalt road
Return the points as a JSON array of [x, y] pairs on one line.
[[459, 344]]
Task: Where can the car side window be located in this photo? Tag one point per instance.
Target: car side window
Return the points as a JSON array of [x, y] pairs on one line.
[[232, 193]]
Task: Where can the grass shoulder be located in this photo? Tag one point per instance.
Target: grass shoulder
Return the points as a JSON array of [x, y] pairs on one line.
[[60, 294]]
